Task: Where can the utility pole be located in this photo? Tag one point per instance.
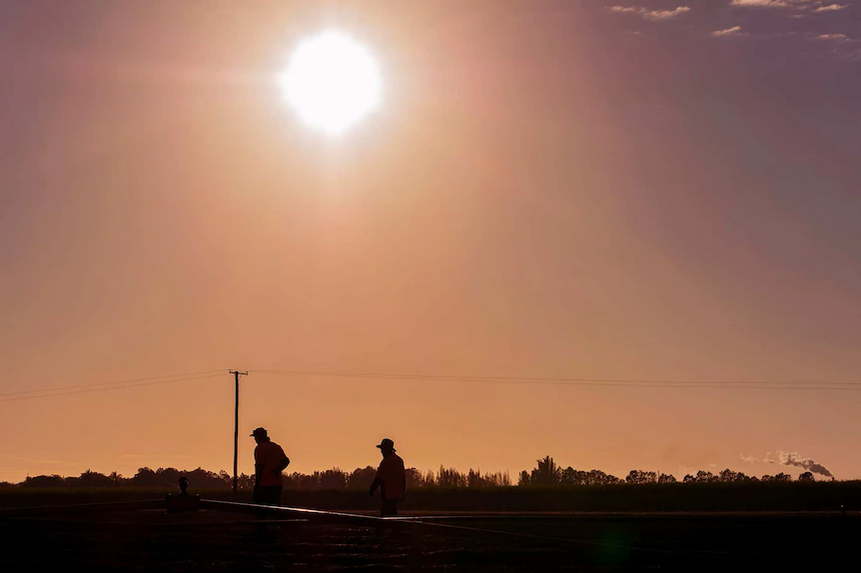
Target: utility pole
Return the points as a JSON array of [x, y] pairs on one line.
[[236, 374]]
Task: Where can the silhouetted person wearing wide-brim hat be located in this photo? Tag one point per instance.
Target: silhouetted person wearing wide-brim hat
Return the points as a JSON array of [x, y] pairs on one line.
[[391, 479], [269, 461]]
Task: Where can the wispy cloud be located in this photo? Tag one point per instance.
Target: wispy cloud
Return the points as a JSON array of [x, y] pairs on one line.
[[812, 5], [734, 31], [834, 37], [773, 3], [831, 8], [664, 14], [649, 14], [760, 3]]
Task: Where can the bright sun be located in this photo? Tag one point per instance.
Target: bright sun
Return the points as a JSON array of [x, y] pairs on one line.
[[332, 81]]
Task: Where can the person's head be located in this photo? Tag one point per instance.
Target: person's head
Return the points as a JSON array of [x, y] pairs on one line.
[[387, 447], [260, 435]]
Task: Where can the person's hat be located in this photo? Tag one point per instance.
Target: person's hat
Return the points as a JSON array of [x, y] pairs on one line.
[[260, 432], [387, 444]]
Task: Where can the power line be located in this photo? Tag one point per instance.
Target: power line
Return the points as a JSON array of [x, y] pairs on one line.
[[95, 384], [791, 385], [105, 386], [596, 382]]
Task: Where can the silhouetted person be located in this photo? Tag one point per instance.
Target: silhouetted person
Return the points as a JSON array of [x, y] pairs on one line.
[[269, 461], [182, 502], [391, 479]]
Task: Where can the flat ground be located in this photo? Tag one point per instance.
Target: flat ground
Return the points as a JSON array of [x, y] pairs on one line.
[[151, 540]]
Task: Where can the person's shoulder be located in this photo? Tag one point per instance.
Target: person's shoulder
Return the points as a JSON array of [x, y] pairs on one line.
[[273, 448]]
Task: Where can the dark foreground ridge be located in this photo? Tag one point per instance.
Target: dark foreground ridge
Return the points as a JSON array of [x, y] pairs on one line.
[[220, 535]]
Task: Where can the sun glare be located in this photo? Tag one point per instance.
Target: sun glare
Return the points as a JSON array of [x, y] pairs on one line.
[[332, 82]]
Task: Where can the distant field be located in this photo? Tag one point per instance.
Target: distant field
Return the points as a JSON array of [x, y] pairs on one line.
[[152, 540], [681, 527], [729, 497]]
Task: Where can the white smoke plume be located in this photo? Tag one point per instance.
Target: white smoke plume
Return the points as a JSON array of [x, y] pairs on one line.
[[795, 459], [789, 459]]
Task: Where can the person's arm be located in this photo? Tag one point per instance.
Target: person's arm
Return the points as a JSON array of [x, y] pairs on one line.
[[258, 467], [378, 480], [285, 461], [375, 484]]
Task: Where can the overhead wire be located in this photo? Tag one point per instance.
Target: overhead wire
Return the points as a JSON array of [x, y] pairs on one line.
[[93, 384], [643, 383], [105, 386], [583, 381]]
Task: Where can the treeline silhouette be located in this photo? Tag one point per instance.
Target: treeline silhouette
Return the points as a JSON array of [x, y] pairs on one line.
[[333, 479], [546, 474]]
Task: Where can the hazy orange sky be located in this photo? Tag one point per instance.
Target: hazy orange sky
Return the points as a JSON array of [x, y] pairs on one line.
[[552, 188]]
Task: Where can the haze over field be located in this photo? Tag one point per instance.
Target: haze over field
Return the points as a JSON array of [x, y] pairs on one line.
[[650, 190]]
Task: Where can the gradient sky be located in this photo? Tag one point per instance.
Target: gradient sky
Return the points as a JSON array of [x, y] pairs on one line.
[[552, 188]]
